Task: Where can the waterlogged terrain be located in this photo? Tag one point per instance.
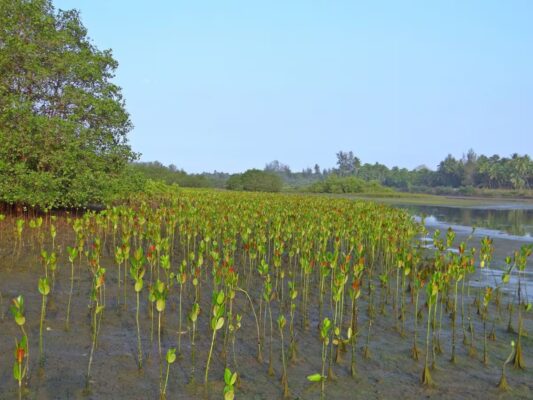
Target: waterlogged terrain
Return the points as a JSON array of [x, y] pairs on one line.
[[313, 289], [508, 224]]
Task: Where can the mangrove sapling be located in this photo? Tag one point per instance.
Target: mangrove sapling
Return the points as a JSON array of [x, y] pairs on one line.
[[170, 358], [229, 382], [217, 322], [457, 273], [119, 259], [324, 337], [259, 346], [432, 290], [137, 272], [19, 371], [19, 227], [97, 309], [521, 261], [72, 255], [234, 326], [52, 261], [181, 278], [160, 294], [267, 296], [355, 293], [502, 384], [416, 286], [325, 270], [366, 349], [284, 379], [484, 316], [193, 317], [126, 257], [231, 282], [44, 290], [17, 310], [293, 294]]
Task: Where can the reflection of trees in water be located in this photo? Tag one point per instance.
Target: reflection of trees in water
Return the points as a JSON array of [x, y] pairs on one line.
[[515, 222]]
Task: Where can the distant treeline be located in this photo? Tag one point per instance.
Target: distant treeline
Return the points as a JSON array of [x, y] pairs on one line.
[[463, 175]]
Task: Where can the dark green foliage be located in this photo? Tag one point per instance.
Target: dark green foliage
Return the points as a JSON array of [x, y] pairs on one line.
[[63, 124], [255, 180], [171, 175], [350, 184]]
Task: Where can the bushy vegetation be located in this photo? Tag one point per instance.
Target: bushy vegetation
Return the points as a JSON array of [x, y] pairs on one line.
[[470, 174], [171, 175], [255, 180], [347, 184], [63, 122]]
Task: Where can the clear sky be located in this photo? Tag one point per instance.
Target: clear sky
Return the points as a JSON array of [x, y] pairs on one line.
[[231, 85]]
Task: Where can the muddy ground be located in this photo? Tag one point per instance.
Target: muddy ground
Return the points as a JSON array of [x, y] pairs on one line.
[[390, 372]]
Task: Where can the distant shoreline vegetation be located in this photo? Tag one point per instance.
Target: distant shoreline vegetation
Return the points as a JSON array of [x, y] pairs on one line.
[[471, 175]]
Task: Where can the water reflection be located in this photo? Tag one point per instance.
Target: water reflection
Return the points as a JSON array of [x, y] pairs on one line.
[[516, 221]]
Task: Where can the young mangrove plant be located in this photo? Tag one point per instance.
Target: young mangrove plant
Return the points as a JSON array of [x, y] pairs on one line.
[[325, 327], [18, 312], [229, 382], [72, 255], [170, 358], [20, 370], [217, 322], [432, 290], [484, 316], [160, 294], [44, 290], [193, 317], [502, 384], [137, 272], [97, 309], [293, 294], [520, 262], [284, 379]]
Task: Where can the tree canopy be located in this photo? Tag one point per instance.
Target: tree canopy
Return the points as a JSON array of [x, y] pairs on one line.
[[63, 123], [255, 180]]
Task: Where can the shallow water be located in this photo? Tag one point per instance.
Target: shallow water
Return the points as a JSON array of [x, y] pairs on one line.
[[510, 225]]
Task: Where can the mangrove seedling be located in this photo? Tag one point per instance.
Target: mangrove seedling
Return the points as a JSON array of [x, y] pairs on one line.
[[19, 371], [229, 382], [170, 358], [72, 255], [217, 322], [44, 290], [325, 327], [97, 309], [193, 317], [293, 294], [284, 379], [432, 290], [160, 293], [17, 310], [502, 384], [137, 272]]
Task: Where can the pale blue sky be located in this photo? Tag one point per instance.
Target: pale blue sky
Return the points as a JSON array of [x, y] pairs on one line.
[[231, 85]]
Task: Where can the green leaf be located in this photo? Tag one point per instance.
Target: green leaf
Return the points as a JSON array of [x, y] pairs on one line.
[[314, 378], [171, 356], [227, 376], [16, 372]]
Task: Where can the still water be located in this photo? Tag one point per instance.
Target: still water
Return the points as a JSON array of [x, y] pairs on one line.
[[510, 225]]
